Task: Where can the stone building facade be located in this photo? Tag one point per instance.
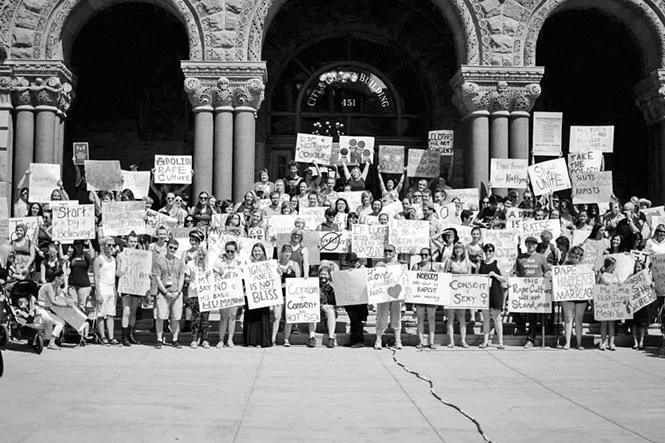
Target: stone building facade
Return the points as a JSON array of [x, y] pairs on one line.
[[483, 82]]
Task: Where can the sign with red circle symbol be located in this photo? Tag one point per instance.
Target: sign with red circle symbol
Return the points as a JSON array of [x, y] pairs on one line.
[[361, 149]]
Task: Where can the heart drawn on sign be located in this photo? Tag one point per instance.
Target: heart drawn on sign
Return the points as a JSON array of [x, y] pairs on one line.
[[395, 291]]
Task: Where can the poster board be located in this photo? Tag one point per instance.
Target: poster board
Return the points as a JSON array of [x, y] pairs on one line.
[[509, 173], [585, 161], [103, 175], [353, 198], [75, 222], [408, 236], [441, 141], [350, 287], [356, 150], [81, 152], [154, 220], [592, 138], [423, 163], [428, 288], [611, 303], [369, 240], [32, 223], [263, 285], [386, 283], [136, 181], [469, 291], [658, 273], [136, 266], [123, 217], [468, 196], [592, 187], [303, 302], [334, 242], [311, 148], [638, 288], [530, 294], [44, 178], [547, 129], [570, 283], [391, 159], [173, 169], [215, 292], [550, 176]]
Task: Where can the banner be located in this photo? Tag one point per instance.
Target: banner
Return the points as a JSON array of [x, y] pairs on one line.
[[215, 292], [312, 148], [303, 302], [423, 163], [547, 128], [44, 178], [263, 284], [441, 141], [592, 187], [73, 223], [356, 150], [530, 295], [176, 169], [81, 152], [428, 288], [386, 283], [136, 266], [350, 287], [639, 290], [408, 236], [571, 283], [549, 176], [469, 291], [391, 159], [121, 218], [468, 196], [591, 138], [658, 273], [586, 161], [369, 240], [509, 173], [334, 242], [103, 175], [611, 303], [154, 220], [136, 181]]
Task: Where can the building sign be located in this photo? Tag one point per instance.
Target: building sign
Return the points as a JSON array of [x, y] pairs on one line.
[[354, 83]]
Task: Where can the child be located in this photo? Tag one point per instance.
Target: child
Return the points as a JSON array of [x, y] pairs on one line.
[[25, 311]]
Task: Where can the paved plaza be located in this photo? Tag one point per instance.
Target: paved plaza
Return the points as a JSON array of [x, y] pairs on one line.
[[300, 394]]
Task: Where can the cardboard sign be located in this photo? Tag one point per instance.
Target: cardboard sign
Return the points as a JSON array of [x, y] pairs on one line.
[[215, 292], [369, 241], [136, 181], [509, 173], [353, 198], [32, 224], [154, 220], [136, 266], [313, 217], [303, 302], [81, 152], [468, 196], [586, 161], [625, 264], [441, 141], [547, 128], [386, 284], [312, 148], [281, 224], [408, 236], [176, 169], [428, 288], [639, 289], [571, 283], [103, 175], [356, 150], [121, 218], [350, 287], [44, 179], [658, 273], [611, 303], [391, 159], [263, 284], [534, 228], [591, 138], [549, 176], [448, 213], [469, 291], [592, 187], [423, 163], [334, 242], [393, 209], [76, 222], [530, 295], [505, 247]]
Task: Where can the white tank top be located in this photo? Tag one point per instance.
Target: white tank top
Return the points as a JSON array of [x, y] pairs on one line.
[[107, 271]]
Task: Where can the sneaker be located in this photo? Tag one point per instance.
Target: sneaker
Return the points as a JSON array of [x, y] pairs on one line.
[[602, 347], [158, 345], [205, 344], [331, 343], [357, 345], [311, 343], [377, 345], [287, 344], [194, 345], [220, 344], [53, 346], [105, 341], [398, 345], [528, 345], [176, 345], [114, 342], [230, 344]]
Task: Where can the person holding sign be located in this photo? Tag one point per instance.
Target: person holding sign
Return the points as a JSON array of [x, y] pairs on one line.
[[390, 309], [573, 311], [389, 191], [496, 303], [228, 266], [169, 274], [607, 276], [656, 245], [286, 268], [356, 179], [458, 263], [327, 299], [200, 320], [426, 264], [130, 302], [256, 325], [105, 272], [264, 187], [643, 317]]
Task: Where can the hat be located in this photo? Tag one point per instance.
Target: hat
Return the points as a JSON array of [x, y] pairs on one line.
[[531, 239], [330, 211], [196, 234], [644, 201], [453, 231], [351, 256]]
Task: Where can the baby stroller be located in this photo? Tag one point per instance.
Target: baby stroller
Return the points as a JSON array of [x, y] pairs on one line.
[[18, 327]]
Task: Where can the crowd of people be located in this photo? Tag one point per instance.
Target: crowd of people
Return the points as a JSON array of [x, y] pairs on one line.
[[85, 273]]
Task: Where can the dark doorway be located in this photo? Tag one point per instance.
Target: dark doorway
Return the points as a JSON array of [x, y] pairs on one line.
[[592, 63]]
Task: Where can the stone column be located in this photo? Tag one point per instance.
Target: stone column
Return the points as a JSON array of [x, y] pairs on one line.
[[201, 100], [519, 135], [24, 137], [6, 139], [478, 149], [223, 141], [47, 96], [650, 98]]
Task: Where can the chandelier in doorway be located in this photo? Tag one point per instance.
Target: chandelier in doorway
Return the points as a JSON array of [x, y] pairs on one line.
[[329, 128]]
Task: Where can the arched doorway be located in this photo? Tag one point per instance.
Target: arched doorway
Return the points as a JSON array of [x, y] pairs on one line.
[[592, 63], [130, 102]]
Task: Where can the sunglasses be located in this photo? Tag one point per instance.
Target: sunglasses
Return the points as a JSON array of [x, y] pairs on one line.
[[425, 254], [203, 198], [169, 198], [173, 248], [230, 251], [417, 196], [110, 245], [490, 250], [388, 251]]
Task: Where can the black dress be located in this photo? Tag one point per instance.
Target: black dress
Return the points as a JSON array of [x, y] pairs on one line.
[[496, 292], [257, 327]]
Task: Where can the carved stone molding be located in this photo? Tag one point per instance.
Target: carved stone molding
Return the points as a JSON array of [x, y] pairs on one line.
[[489, 88], [650, 97], [250, 94], [40, 83], [5, 87]]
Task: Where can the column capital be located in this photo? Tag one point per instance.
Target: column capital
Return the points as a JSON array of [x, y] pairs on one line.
[[496, 88], [41, 83], [650, 96], [250, 94]]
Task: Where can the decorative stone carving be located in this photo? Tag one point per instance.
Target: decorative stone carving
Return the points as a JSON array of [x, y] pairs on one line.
[[46, 92], [40, 83], [21, 95], [650, 97], [223, 94], [250, 94], [199, 95]]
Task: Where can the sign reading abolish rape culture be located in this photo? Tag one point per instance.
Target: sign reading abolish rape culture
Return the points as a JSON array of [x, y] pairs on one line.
[[136, 265], [73, 222], [408, 236], [571, 283], [175, 169], [509, 173], [428, 288], [312, 148], [610, 303], [549, 176], [215, 292], [530, 295], [441, 141], [592, 187], [469, 291], [263, 285], [391, 159], [302, 300]]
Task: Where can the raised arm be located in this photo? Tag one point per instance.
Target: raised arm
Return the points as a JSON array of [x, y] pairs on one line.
[[400, 185], [363, 175], [382, 185]]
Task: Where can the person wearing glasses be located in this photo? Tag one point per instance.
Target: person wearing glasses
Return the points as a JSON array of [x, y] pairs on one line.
[[426, 264], [228, 265], [656, 245], [489, 266], [173, 210], [105, 271], [389, 310], [202, 212], [169, 273], [527, 201]]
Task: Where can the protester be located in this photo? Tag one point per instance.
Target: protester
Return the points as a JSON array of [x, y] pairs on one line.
[[130, 302], [287, 268], [228, 266], [573, 310], [195, 269], [426, 264], [169, 274], [390, 309], [490, 267], [105, 272], [458, 263], [48, 297], [607, 276]]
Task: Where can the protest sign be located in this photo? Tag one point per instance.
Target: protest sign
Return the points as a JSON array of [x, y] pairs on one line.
[[534, 228], [386, 283], [530, 294], [215, 292], [391, 159], [447, 213], [103, 175], [547, 128], [423, 163], [393, 208], [571, 283], [408, 236], [173, 169], [154, 220], [73, 223], [136, 266], [353, 198], [586, 161], [592, 187], [611, 303], [312, 148], [217, 239], [121, 218], [136, 181], [549, 176], [579, 237], [81, 152], [334, 242], [281, 224], [368, 241], [303, 303], [32, 224], [469, 291], [219, 220], [428, 288], [356, 150], [4, 220], [509, 173], [350, 287], [44, 179], [468, 196], [313, 217], [658, 273], [625, 264], [656, 211], [505, 247], [441, 141], [591, 138], [263, 284], [639, 289]]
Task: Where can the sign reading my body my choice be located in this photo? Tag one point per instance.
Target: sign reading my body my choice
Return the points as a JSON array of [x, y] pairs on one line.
[[175, 169]]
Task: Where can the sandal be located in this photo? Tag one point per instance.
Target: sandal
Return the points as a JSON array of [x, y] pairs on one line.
[[114, 342], [451, 345], [465, 345], [483, 346], [501, 347], [419, 346], [432, 346]]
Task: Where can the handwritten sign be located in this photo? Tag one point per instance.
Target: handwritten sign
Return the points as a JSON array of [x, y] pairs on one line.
[[469, 291], [428, 288], [547, 128], [536, 227], [136, 181], [369, 240], [447, 213], [505, 247], [313, 217], [312, 148], [509, 173], [625, 263], [408, 236], [592, 187], [386, 284], [658, 273], [586, 161], [103, 175], [75, 222], [611, 303], [350, 287], [549, 176], [571, 283], [393, 209], [530, 295], [264, 287], [32, 224], [441, 141], [391, 159], [302, 300], [423, 163], [639, 288], [334, 242], [353, 198], [592, 138], [154, 220], [121, 218], [356, 150], [44, 179], [173, 169], [468, 196], [81, 152], [136, 267], [215, 292]]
